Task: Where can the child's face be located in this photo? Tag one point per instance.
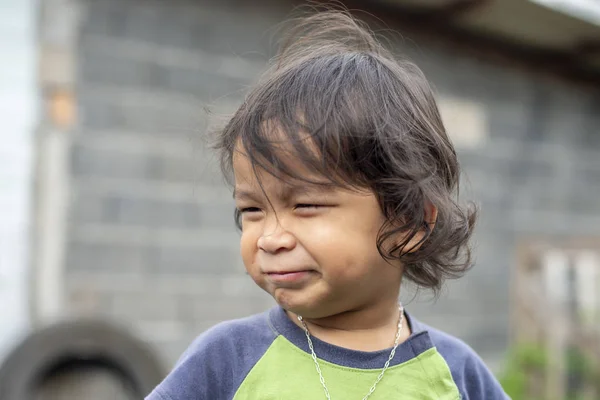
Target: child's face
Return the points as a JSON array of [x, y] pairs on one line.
[[312, 248]]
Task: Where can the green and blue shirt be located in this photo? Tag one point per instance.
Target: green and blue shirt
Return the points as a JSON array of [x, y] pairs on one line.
[[266, 357]]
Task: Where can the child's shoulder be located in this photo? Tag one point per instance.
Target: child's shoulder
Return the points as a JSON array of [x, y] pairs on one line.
[[232, 335], [222, 355], [471, 375]]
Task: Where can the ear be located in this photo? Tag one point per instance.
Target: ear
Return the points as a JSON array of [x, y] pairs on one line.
[[431, 214]]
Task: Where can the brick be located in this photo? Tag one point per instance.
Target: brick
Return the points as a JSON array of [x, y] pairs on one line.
[[106, 18], [218, 215], [144, 306], [172, 168], [486, 186], [86, 161], [220, 309], [104, 281], [547, 223], [159, 331], [89, 162], [208, 85], [192, 260], [106, 68], [157, 213], [160, 115], [104, 257], [583, 193], [584, 202], [103, 67], [216, 28], [233, 284], [86, 209], [101, 114], [207, 170], [590, 138], [162, 259], [205, 24], [119, 209]]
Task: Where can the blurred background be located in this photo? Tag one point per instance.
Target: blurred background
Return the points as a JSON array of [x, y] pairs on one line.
[[117, 242]]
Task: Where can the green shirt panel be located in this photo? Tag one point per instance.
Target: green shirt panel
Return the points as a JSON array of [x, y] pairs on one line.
[[285, 372]]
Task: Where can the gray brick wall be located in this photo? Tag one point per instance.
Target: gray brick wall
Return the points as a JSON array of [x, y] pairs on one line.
[[533, 176], [151, 238]]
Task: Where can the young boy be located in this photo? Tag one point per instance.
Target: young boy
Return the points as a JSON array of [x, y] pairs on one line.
[[345, 184]]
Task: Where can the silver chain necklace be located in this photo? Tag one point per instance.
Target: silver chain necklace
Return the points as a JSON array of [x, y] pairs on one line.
[[385, 367]]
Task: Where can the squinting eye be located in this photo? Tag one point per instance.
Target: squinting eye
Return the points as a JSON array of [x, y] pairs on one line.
[[307, 206], [249, 210]]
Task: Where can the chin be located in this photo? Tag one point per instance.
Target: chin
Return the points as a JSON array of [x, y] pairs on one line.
[[293, 302], [308, 308]]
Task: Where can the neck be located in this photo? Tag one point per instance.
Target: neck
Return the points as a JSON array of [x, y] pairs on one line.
[[362, 318], [367, 328]]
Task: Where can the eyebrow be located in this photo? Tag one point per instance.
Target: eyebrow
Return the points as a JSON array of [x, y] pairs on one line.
[[288, 191], [243, 194]]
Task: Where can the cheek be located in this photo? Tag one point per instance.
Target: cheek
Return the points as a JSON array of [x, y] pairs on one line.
[[248, 249], [345, 250]]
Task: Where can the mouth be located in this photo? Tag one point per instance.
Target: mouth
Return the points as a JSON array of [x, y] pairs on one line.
[[289, 277]]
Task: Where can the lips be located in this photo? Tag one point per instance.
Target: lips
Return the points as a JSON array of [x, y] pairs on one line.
[[286, 272], [289, 277]]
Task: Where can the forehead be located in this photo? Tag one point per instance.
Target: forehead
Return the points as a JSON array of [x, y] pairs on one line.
[[279, 155], [248, 167], [249, 177], [288, 158]]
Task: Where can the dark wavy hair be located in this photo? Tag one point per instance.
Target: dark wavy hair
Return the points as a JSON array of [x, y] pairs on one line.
[[358, 116]]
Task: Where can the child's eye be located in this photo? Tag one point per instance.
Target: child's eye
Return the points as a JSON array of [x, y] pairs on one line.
[[247, 210], [307, 206]]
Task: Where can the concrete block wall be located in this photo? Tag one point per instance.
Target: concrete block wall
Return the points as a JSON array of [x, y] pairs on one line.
[[151, 240], [534, 174]]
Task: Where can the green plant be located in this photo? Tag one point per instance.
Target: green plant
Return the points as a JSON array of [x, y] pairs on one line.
[[522, 362], [526, 365]]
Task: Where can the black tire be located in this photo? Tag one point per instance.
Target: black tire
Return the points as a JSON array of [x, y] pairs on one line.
[[73, 343]]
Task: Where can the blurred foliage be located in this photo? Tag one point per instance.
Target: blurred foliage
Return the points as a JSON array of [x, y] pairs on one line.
[[524, 375], [522, 362]]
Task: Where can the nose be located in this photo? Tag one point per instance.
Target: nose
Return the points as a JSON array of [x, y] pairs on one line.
[[276, 240]]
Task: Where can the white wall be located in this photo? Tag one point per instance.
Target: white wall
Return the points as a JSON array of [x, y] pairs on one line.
[[587, 10], [17, 113]]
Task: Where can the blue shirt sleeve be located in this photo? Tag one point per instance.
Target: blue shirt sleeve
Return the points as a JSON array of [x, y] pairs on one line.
[[201, 373], [217, 362], [472, 377]]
